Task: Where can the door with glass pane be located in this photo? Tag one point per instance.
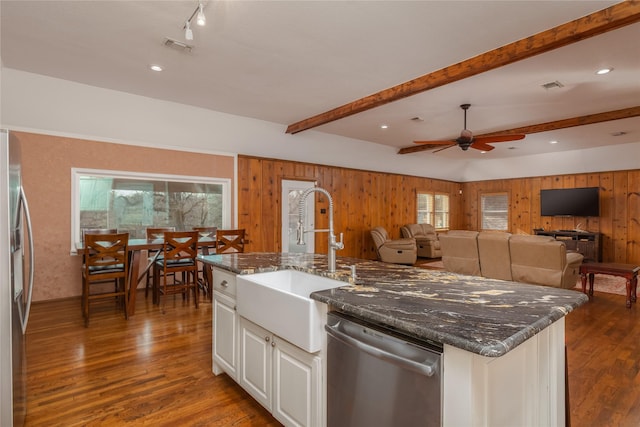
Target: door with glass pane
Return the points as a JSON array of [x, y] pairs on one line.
[[291, 192]]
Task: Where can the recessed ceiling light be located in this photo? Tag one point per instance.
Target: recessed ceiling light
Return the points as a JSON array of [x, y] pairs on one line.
[[553, 142], [483, 152], [604, 71], [155, 67], [384, 127]]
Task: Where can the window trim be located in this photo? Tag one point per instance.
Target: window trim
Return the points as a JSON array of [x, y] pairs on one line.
[[481, 211], [433, 194], [76, 173]]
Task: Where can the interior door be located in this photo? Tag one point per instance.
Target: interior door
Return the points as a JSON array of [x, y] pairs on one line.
[[291, 192]]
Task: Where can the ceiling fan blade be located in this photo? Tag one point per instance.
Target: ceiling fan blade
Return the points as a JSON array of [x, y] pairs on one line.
[[434, 142], [444, 148], [482, 146], [498, 138]]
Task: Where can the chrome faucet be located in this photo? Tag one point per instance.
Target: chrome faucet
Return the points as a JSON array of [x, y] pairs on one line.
[[333, 244]]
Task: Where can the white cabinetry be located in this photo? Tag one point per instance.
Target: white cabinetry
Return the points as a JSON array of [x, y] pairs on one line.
[[225, 324], [282, 377], [525, 387]]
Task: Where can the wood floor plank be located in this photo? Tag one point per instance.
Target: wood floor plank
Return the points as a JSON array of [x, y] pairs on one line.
[[155, 368]]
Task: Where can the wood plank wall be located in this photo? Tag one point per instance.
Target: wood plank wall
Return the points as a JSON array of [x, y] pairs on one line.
[[619, 220], [362, 200], [365, 199]]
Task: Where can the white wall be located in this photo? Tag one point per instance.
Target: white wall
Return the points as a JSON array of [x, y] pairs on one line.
[[36, 103]]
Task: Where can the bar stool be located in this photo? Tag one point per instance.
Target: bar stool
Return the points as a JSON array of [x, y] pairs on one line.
[[204, 270], [105, 259], [152, 234], [230, 241], [178, 256]]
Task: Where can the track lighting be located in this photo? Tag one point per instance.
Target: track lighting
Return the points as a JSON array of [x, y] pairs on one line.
[[200, 18], [188, 34]]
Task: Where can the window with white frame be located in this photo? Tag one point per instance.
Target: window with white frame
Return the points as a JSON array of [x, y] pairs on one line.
[[494, 211], [132, 202], [433, 208]]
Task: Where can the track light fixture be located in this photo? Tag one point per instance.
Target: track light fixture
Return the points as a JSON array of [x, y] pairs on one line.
[[188, 34], [201, 20]]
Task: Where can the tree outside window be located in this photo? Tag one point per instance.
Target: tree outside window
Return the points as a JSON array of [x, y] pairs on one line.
[[132, 203]]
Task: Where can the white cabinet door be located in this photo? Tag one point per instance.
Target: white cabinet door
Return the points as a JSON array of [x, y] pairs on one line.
[[225, 333], [297, 383], [256, 361]]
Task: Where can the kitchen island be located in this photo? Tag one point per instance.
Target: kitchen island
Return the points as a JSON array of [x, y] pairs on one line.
[[503, 341]]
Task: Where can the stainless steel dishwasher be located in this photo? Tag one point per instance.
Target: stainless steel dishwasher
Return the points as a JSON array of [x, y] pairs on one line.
[[377, 377]]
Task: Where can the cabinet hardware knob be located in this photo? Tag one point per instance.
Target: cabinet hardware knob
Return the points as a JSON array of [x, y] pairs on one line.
[[267, 339], [273, 343], [224, 283]]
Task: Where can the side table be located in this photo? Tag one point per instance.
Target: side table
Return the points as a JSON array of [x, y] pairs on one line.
[[628, 271]]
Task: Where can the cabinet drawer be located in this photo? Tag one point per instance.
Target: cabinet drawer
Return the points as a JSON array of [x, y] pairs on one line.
[[224, 281]]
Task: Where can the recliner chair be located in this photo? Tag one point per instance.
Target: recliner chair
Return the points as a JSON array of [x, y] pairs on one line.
[[400, 251], [426, 239], [542, 260], [460, 252]]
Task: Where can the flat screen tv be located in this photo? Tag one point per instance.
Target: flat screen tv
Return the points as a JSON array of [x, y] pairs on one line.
[[570, 202]]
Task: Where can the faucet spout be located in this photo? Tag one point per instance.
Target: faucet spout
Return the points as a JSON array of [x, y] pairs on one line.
[[333, 245]]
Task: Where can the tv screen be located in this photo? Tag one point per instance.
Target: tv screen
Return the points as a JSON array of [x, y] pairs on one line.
[[570, 202]]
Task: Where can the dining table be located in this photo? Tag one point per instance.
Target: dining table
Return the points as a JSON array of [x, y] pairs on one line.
[[135, 247]]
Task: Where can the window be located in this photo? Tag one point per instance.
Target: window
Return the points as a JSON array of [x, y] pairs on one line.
[[495, 211], [433, 208], [132, 202]]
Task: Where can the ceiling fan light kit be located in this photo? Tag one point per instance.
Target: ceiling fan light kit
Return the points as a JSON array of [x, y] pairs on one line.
[[466, 138]]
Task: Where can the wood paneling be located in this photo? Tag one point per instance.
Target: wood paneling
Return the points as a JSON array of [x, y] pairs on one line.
[[619, 208], [362, 200]]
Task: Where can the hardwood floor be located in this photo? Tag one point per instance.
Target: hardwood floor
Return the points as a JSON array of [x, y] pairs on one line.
[[603, 343], [155, 368]]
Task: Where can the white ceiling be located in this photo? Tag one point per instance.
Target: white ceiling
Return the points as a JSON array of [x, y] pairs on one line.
[[284, 61]]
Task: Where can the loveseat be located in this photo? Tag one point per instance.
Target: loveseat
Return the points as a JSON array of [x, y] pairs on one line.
[[399, 251], [426, 239], [538, 260]]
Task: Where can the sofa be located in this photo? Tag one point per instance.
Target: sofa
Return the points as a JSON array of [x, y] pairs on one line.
[[426, 239], [460, 252], [399, 251], [540, 260]]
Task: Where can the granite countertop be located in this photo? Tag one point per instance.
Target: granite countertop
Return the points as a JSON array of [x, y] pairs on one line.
[[484, 316]]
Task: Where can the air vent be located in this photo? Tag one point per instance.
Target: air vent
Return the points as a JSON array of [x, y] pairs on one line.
[[553, 85], [417, 119], [178, 45]]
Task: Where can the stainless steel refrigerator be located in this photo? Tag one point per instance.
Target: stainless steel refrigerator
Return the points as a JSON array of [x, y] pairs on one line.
[[16, 282]]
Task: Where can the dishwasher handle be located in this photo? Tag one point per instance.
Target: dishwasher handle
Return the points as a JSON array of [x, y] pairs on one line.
[[428, 369]]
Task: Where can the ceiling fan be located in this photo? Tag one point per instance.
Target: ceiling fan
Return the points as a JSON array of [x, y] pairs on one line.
[[466, 138]]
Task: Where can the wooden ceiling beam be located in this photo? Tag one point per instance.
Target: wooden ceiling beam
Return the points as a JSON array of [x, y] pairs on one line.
[[616, 16], [624, 113]]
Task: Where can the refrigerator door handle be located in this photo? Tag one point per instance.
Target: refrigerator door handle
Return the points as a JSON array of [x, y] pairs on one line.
[[24, 317]]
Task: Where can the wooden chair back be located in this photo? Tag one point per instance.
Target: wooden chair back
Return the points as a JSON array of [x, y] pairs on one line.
[[105, 259], [158, 232], [179, 256], [230, 241]]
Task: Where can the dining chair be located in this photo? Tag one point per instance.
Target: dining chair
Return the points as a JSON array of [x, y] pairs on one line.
[[230, 241], [204, 270], [178, 256], [86, 231], [105, 259], [153, 233]]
